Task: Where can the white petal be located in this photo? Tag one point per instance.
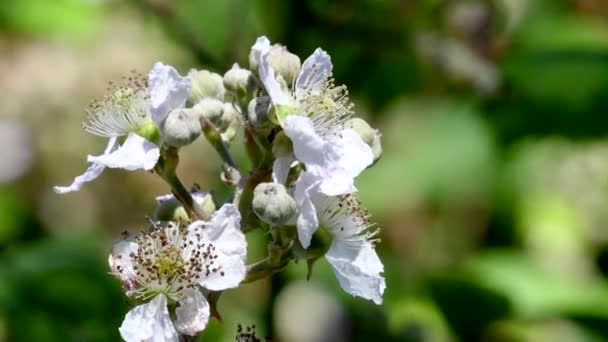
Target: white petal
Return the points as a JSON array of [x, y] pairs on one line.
[[192, 314], [224, 232], [149, 322], [358, 269], [135, 153], [337, 183], [121, 263], [261, 48], [308, 146], [306, 188], [168, 90], [281, 167], [355, 154], [345, 158], [91, 173], [315, 70]]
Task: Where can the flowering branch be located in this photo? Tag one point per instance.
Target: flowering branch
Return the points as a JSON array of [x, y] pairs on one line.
[[306, 149]]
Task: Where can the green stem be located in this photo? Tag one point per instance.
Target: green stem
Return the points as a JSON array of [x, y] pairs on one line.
[[263, 269], [249, 220], [215, 138], [166, 169]]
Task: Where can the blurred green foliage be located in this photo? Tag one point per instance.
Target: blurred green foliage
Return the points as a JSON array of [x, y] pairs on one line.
[[491, 191]]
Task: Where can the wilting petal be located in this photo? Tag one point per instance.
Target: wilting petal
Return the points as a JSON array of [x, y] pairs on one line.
[[308, 146], [281, 167], [223, 231], [121, 263], [91, 173], [192, 314], [135, 153], [315, 70], [149, 322], [358, 268], [168, 90]]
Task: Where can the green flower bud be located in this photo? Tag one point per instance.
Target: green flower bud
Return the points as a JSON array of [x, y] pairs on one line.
[[284, 63], [253, 62], [377, 147], [211, 108], [238, 80], [272, 204], [369, 135], [169, 208], [206, 84], [230, 115], [180, 128], [282, 145], [258, 111], [363, 129], [229, 122]]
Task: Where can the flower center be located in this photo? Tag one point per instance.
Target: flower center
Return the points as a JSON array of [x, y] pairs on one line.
[[345, 220], [326, 104], [125, 109], [168, 260]]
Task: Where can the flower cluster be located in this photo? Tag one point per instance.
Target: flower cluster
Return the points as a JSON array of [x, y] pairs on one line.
[[306, 148]]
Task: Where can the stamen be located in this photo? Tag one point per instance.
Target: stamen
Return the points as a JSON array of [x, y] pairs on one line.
[[346, 220], [168, 260], [123, 110], [326, 104]]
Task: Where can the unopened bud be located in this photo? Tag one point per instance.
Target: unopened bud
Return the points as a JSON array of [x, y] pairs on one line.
[[180, 128], [229, 122], [377, 147], [369, 135], [170, 209], [253, 62], [238, 80], [258, 112], [210, 108], [205, 84], [282, 145], [284, 63], [272, 204]]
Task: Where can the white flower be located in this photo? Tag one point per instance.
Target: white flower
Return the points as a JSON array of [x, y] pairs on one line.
[[170, 264], [351, 254], [313, 94], [131, 109], [331, 167], [313, 115]]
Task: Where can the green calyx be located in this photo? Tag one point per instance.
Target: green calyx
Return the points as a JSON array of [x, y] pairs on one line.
[[149, 131], [280, 113]]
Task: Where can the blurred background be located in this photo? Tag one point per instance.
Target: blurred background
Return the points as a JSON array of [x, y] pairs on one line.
[[491, 192]]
